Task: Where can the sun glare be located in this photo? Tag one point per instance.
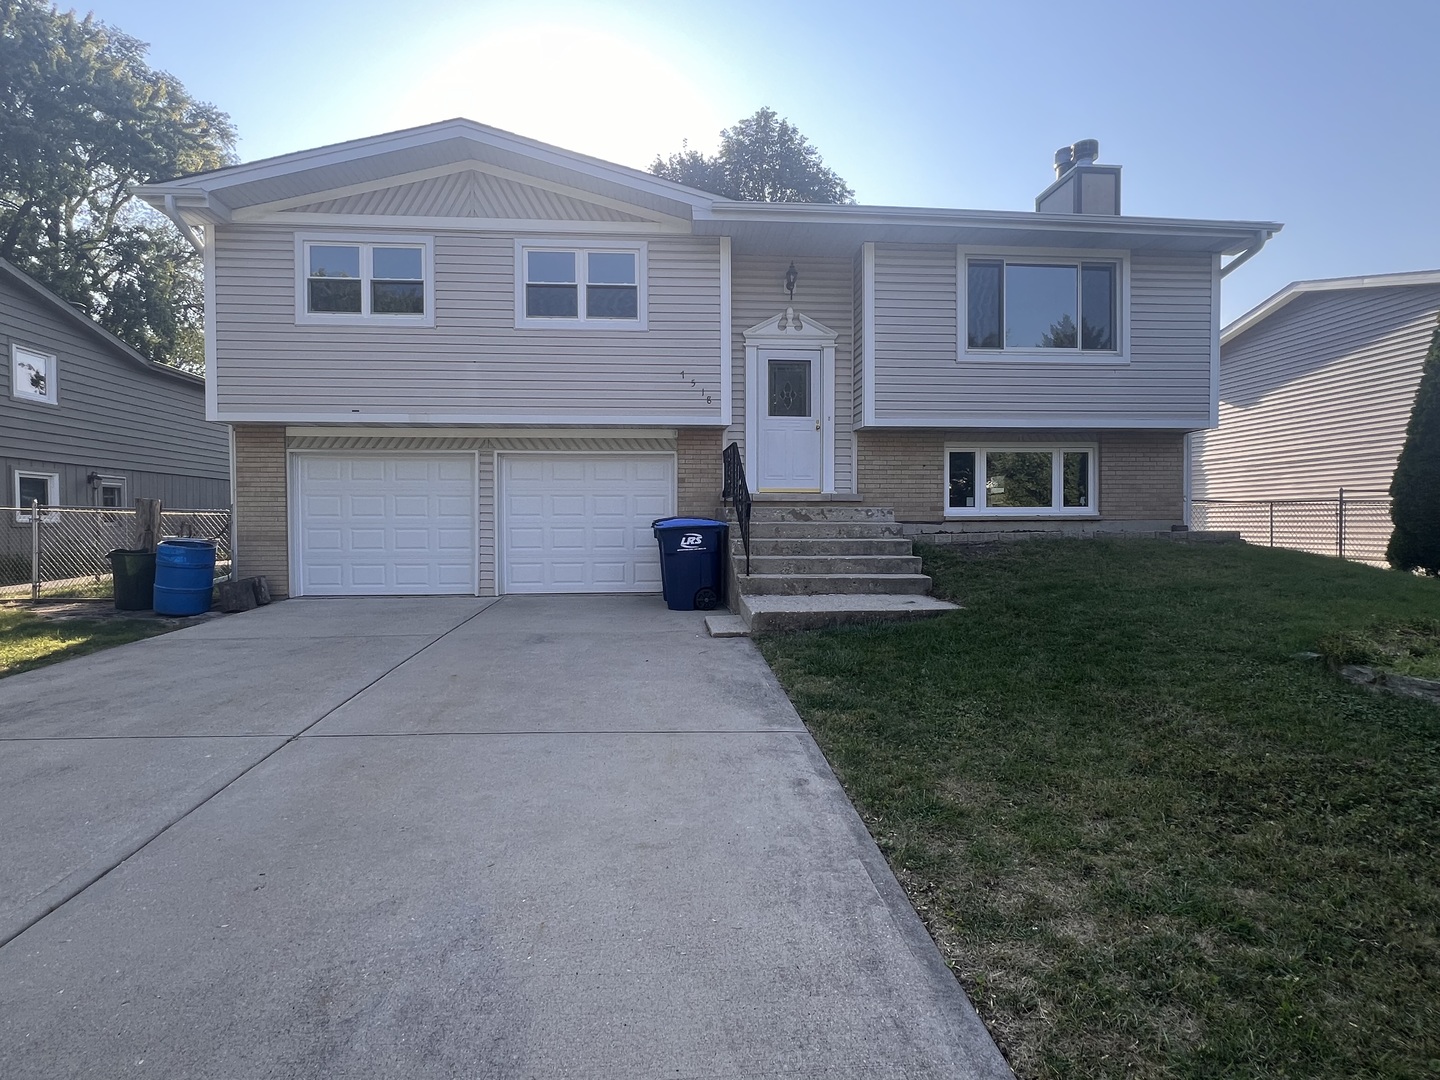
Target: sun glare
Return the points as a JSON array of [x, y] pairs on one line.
[[581, 88]]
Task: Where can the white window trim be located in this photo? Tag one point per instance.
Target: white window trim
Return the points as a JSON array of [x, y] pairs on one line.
[[582, 248], [52, 483], [1057, 481], [1057, 256], [109, 481], [52, 383], [366, 242]]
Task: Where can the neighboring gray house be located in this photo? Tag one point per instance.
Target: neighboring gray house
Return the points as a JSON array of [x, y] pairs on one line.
[[1316, 387], [85, 420], [458, 360]]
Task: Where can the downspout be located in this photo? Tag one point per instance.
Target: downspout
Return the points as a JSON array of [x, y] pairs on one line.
[[173, 213], [1244, 256]]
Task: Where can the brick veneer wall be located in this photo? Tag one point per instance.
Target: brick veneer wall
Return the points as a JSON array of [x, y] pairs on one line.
[[1142, 473], [700, 474], [261, 538]]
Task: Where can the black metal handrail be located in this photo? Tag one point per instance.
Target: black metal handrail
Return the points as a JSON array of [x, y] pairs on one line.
[[737, 493]]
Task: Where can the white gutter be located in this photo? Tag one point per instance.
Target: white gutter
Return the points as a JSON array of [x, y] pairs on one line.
[[1248, 254], [173, 213]]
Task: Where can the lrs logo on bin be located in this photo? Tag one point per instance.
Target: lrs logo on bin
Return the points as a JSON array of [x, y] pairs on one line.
[[692, 540]]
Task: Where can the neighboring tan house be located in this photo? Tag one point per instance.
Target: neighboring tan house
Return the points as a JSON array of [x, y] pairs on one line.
[[458, 360], [1316, 387], [85, 420]]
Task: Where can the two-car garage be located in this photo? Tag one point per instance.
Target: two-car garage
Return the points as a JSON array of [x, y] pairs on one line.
[[368, 523]]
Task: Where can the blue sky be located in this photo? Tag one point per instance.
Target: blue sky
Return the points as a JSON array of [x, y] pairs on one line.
[[1318, 114]]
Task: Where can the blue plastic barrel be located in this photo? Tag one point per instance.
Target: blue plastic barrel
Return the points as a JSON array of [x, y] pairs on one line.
[[184, 576]]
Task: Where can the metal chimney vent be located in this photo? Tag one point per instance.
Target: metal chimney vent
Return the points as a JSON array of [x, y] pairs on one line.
[[1081, 186]]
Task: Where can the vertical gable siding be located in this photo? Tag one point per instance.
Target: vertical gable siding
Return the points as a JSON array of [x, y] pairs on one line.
[[473, 359], [113, 416], [918, 375], [824, 292], [1317, 397]]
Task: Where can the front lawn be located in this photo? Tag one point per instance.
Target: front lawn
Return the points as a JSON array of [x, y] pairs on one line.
[[1149, 838], [29, 641]]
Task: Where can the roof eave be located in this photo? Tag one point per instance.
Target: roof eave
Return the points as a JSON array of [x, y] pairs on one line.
[[1269, 306]]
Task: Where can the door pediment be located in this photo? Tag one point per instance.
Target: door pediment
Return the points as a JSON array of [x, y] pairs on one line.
[[791, 329]]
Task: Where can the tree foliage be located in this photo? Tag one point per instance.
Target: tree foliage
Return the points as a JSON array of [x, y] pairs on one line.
[[1415, 487], [83, 117], [763, 158]]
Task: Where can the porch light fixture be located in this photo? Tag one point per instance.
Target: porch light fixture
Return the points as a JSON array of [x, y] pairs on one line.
[[790, 277]]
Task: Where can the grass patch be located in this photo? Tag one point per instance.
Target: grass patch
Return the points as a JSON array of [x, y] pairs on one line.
[[1407, 648], [29, 641], [1148, 839]]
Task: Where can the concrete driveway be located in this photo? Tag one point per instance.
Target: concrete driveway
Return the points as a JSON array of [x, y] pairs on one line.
[[533, 837]]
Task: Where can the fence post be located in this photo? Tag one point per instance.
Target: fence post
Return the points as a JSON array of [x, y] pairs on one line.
[[147, 523], [1340, 525], [34, 549], [1271, 505]]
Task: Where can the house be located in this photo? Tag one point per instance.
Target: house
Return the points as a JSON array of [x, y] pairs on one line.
[[1316, 387], [85, 420], [456, 360]]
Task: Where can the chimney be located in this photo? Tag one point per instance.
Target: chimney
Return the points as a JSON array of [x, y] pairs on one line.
[[1081, 186]]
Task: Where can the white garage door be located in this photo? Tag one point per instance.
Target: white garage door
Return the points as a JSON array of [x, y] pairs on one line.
[[386, 524], [581, 522]]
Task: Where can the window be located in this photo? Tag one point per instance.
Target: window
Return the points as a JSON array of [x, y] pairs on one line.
[[1022, 481], [35, 487], [572, 286], [32, 376], [110, 491], [1042, 305], [373, 280]]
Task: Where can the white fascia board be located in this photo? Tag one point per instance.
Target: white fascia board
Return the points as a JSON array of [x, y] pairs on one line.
[[550, 431], [1270, 306], [338, 153], [263, 416], [1108, 422], [510, 226]]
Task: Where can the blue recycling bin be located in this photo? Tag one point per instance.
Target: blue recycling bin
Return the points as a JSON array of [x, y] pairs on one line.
[[692, 561]]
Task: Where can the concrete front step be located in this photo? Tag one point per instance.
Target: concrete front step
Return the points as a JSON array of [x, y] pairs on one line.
[[874, 545], [816, 584], [777, 613], [819, 530], [759, 512], [834, 564]]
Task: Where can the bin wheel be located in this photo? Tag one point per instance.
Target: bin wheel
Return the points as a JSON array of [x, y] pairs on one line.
[[706, 600]]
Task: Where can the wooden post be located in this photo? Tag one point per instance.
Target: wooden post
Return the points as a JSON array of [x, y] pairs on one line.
[[147, 524]]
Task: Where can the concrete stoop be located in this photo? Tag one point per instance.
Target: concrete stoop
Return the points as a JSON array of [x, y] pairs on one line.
[[816, 565]]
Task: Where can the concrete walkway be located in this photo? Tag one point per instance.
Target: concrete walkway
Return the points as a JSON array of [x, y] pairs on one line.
[[533, 837]]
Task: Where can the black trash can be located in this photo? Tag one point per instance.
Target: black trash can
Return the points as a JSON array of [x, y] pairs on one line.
[[692, 561], [133, 572]]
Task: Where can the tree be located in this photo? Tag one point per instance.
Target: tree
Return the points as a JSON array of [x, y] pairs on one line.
[[1415, 487], [82, 119], [763, 158]]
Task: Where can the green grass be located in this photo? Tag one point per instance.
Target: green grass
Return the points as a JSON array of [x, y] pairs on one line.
[[1407, 647], [28, 641], [1149, 840]]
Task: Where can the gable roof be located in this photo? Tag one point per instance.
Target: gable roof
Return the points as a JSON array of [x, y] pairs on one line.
[[67, 310], [329, 178], [1296, 289]]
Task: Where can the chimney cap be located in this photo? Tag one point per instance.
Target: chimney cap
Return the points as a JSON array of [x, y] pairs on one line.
[[1086, 151]]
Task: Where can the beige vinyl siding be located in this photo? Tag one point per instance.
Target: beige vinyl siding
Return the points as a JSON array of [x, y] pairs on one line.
[[918, 376], [1317, 396], [467, 193], [473, 361], [824, 292], [114, 416]]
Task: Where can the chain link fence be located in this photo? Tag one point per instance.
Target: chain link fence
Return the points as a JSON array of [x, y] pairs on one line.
[[63, 551], [1349, 526]]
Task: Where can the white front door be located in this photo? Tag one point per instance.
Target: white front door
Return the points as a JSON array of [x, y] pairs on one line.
[[791, 450]]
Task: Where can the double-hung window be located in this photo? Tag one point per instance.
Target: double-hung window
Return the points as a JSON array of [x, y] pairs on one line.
[[594, 287], [1020, 480], [1042, 306], [350, 280]]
